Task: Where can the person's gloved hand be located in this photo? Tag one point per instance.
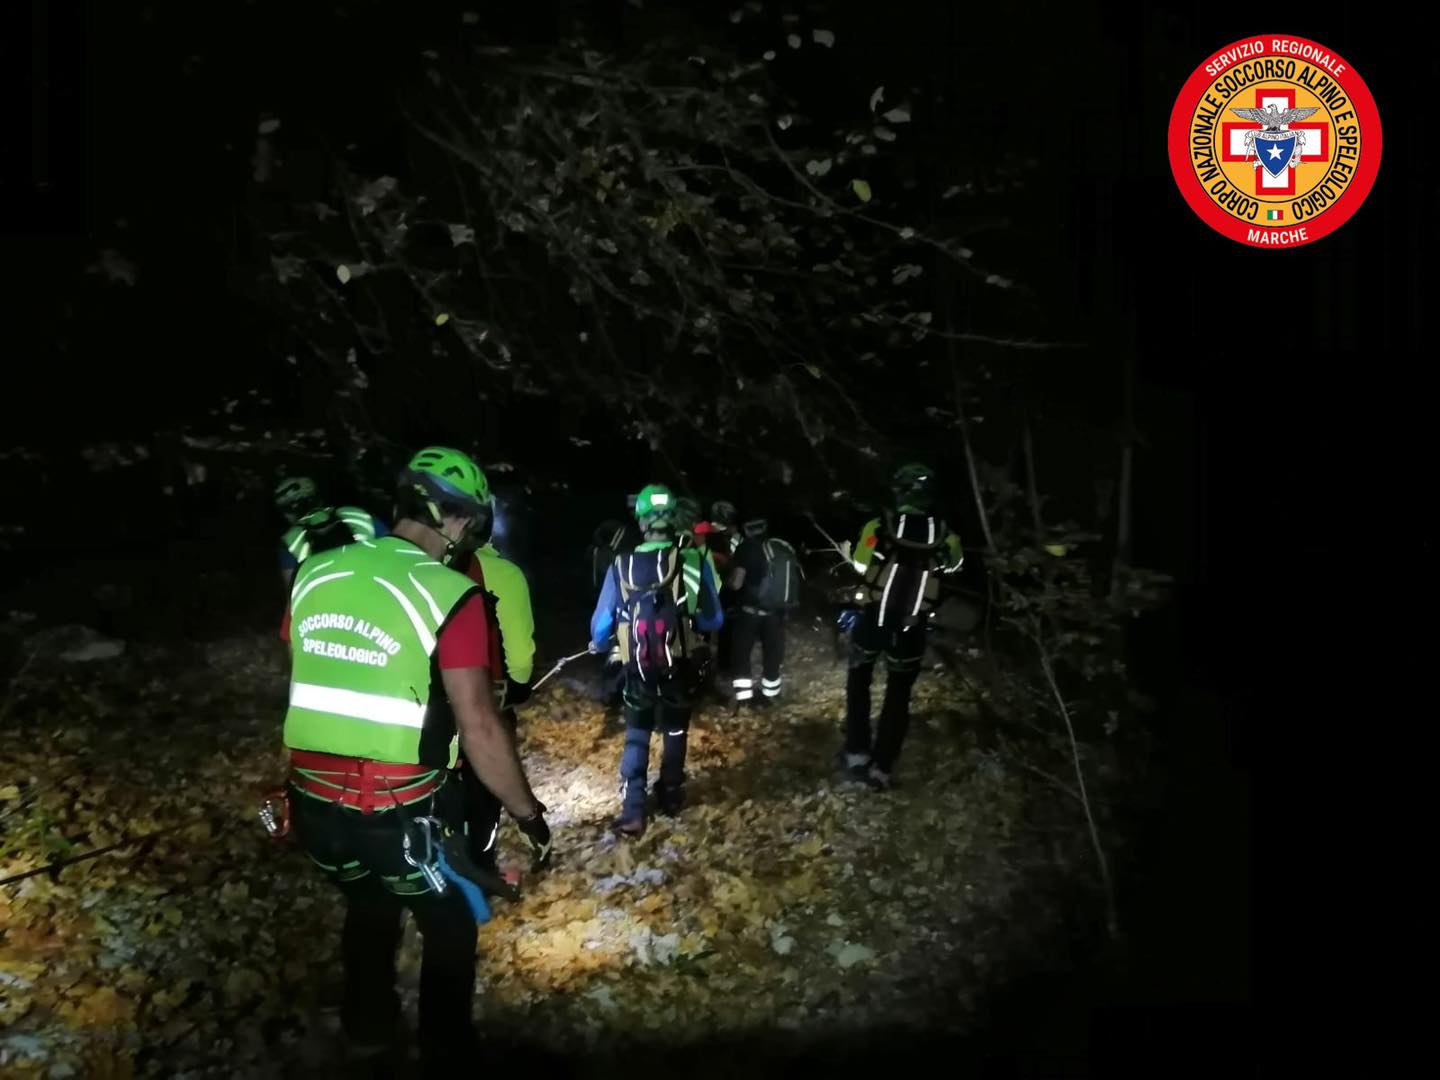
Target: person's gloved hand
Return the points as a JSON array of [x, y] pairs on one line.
[[848, 619], [538, 833], [516, 693]]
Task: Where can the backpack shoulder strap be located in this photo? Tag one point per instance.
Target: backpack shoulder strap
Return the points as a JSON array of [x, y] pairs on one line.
[[622, 579]]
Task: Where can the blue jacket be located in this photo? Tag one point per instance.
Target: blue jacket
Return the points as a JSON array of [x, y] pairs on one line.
[[708, 616]]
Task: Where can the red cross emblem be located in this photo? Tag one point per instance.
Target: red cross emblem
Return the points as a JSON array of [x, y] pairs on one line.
[[1316, 148]]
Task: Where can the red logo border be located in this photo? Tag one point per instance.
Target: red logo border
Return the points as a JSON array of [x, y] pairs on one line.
[[1329, 219]]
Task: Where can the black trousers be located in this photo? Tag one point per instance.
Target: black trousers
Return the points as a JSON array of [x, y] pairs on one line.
[[768, 629], [648, 706], [903, 649], [364, 856], [482, 808]]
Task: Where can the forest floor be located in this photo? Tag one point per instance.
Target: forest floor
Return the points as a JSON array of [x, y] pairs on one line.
[[784, 907]]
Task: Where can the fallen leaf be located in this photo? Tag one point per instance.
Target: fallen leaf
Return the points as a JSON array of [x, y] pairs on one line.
[[852, 954]]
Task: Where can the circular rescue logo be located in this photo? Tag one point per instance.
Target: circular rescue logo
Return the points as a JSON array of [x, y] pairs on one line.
[[1275, 141]]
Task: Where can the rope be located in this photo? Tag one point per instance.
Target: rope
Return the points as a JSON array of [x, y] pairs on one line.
[[560, 664]]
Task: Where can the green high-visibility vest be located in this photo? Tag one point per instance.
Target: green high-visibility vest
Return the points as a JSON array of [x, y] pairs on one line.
[[364, 619], [360, 523]]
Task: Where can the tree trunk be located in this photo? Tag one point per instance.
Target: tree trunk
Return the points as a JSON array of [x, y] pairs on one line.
[[1127, 467], [1031, 486]]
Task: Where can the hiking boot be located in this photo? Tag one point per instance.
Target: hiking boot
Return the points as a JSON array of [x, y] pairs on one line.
[[669, 800], [855, 767], [879, 779], [629, 825]]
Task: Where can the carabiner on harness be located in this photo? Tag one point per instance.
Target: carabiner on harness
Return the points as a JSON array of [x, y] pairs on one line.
[[275, 814], [425, 860]]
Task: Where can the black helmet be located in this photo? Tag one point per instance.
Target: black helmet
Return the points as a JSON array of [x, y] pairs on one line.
[[913, 486]]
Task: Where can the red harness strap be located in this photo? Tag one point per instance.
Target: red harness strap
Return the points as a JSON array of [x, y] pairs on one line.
[[360, 783]]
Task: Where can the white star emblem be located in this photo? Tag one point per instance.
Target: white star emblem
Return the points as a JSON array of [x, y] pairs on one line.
[[1274, 152]]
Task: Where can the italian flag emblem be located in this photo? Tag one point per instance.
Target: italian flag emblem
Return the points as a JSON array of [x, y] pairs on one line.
[[1274, 215]]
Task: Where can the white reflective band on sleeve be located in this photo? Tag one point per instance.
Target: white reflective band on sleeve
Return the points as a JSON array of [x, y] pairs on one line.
[[772, 683], [885, 596], [771, 691], [423, 632], [741, 684], [902, 524], [744, 695], [493, 834], [931, 540], [359, 706], [315, 583], [920, 596], [680, 732]]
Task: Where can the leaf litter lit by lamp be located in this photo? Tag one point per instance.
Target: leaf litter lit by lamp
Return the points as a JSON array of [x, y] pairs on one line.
[[208, 944]]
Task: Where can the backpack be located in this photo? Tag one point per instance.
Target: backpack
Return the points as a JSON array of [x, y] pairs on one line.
[[903, 574], [780, 591], [654, 628]]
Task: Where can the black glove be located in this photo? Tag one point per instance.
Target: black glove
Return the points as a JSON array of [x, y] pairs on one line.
[[516, 693], [849, 619], [538, 833]]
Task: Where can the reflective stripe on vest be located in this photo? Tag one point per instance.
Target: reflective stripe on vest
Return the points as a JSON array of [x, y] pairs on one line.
[[357, 705]]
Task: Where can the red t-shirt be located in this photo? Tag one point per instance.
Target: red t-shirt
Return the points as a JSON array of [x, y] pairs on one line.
[[465, 641], [476, 573]]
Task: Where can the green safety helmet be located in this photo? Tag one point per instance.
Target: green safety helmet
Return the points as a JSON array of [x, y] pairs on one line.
[[655, 505], [295, 496], [913, 486], [441, 477]]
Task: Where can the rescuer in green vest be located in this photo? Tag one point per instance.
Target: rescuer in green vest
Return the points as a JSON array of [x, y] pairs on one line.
[[390, 681], [315, 525]]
